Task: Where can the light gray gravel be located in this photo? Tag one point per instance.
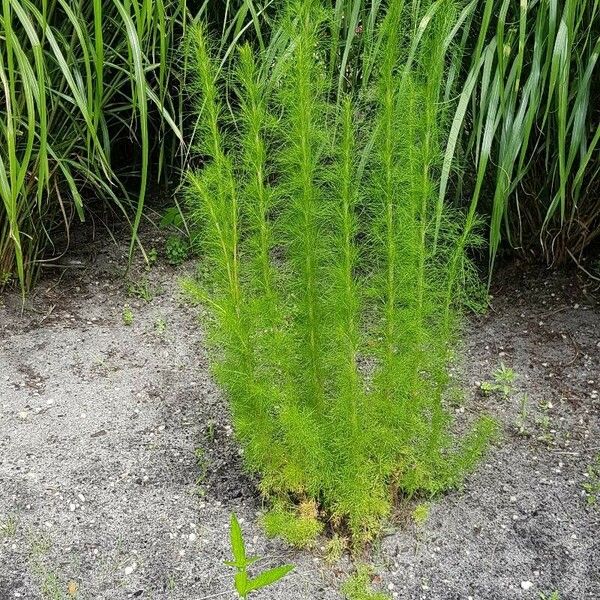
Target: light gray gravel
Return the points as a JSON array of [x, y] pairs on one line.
[[103, 489]]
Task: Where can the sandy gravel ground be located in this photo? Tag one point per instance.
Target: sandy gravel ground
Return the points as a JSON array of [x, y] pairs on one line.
[[118, 467]]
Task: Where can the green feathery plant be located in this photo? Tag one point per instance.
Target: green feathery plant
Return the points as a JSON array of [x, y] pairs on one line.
[[333, 276]]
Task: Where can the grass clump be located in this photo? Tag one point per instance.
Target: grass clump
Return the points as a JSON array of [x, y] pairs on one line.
[[332, 274]]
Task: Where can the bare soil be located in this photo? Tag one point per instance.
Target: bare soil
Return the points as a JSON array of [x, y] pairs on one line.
[[119, 469]]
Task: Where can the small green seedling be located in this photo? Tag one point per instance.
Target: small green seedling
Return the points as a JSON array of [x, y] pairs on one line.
[[244, 584], [127, 315], [503, 381], [8, 527], [210, 432], [140, 289], [420, 514], [152, 257], [544, 423], [176, 249], [553, 596], [592, 485], [358, 586], [160, 325]]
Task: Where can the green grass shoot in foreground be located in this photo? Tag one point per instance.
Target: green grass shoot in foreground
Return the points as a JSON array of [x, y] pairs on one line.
[[333, 276], [244, 583]]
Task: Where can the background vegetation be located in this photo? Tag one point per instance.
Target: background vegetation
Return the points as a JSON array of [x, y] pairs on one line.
[[93, 106]]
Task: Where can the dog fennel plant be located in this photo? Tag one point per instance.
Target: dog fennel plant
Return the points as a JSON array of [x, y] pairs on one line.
[[333, 277]]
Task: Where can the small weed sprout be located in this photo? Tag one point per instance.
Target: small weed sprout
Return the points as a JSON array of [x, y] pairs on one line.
[[8, 526], [127, 315], [420, 514], [210, 432], [140, 289], [50, 585], [244, 584], [152, 257], [544, 423], [592, 486], [177, 250], [502, 383], [358, 586], [550, 596], [160, 325]]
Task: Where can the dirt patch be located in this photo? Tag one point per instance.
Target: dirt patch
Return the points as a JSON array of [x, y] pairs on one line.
[[118, 467]]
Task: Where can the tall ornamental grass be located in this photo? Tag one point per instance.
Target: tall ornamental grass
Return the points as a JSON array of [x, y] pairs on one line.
[[92, 105], [332, 276], [529, 120], [80, 81]]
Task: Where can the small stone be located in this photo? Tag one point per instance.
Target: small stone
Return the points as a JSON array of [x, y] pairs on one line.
[[526, 585], [192, 537], [130, 569]]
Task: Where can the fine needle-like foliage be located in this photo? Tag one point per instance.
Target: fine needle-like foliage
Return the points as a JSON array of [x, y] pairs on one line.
[[332, 275]]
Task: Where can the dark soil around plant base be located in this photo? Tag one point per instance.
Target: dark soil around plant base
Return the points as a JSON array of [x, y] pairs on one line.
[[119, 469]]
